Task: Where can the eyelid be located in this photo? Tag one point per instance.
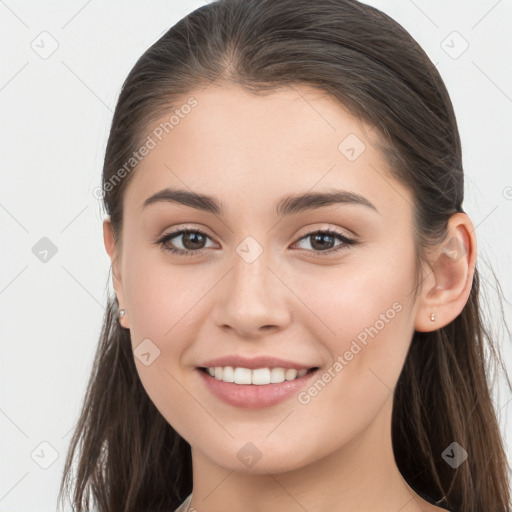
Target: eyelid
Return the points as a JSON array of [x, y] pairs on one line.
[[197, 228], [346, 240], [176, 232], [327, 227], [305, 232]]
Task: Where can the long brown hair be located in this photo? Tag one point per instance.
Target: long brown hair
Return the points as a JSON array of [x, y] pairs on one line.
[[129, 458]]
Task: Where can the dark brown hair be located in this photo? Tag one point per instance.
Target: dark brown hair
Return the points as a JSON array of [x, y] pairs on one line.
[[129, 458]]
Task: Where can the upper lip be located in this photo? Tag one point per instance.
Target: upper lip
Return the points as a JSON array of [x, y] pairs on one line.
[[254, 362]]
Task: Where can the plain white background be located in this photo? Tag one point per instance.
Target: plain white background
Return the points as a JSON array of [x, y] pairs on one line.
[[55, 116]]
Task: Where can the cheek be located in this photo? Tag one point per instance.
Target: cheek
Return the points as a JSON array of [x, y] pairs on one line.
[[161, 300], [161, 297], [362, 316], [357, 314], [367, 346]]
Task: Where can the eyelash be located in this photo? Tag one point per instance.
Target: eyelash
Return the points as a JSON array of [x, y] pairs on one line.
[[347, 242]]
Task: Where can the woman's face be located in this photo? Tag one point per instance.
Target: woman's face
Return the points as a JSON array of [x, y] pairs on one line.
[[261, 279]]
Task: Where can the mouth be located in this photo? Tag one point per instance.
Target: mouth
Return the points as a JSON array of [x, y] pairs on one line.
[[256, 377], [257, 388]]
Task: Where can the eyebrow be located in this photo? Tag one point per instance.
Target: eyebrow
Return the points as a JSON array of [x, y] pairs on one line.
[[287, 206]]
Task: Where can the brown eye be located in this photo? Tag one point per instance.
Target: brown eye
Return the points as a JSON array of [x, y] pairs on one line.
[[323, 241], [192, 241]]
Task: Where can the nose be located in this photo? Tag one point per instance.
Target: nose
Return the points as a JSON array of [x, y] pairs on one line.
[[252, 300]]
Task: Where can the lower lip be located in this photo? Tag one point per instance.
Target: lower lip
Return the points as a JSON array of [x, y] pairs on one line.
[[253, 396]]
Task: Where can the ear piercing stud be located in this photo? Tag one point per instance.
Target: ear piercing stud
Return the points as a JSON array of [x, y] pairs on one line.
[[122, 312]]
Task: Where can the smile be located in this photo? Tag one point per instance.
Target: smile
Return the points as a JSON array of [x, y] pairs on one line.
[[254, 389], [258, 376]]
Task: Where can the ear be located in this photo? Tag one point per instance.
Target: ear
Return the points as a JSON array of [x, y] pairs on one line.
[[446, 288], [112, 250]]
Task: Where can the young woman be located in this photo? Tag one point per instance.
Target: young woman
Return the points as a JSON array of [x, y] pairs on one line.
[[296, 322]]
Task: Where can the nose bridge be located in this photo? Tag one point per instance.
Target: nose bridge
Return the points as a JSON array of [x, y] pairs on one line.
[[252, 296], [251, 281], [251, 276]]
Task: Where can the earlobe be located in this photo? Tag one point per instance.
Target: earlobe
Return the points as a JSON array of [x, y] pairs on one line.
[[446, 292], [110, 247], [108, 238]]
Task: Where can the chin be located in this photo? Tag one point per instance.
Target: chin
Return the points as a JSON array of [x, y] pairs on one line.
[[261, 458]]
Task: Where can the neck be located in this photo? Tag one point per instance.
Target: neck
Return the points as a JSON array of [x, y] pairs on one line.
[[360, 475]]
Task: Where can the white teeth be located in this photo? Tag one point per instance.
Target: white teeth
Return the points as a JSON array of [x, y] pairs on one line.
[[290, 374], [228, 374], [242, 376], [277, 375], [259, 376]]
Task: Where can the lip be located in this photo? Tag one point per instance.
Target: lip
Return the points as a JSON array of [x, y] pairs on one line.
[[255, 362], [252, 396]]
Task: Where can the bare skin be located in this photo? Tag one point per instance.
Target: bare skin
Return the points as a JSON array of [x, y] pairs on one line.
[[293, 301]]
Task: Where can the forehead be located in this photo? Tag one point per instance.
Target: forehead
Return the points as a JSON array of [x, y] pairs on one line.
[[251, 149]]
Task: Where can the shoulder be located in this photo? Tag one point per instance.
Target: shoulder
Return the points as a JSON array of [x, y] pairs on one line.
[[427, 506], [184, 506]]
